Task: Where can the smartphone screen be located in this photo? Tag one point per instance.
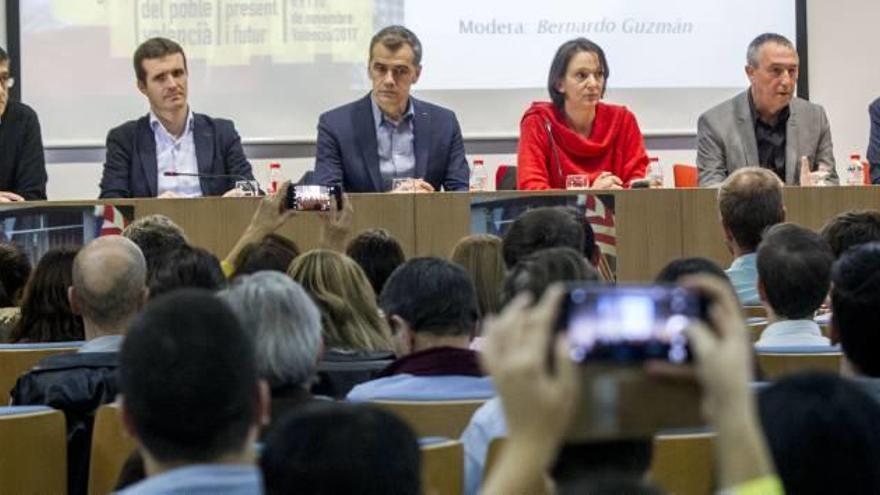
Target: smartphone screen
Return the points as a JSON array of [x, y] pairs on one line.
[[313, 198], [624, 324]]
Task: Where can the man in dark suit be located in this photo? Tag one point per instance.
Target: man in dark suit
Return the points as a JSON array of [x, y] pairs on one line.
[[363, 146], [874, 141], [22, 165], [157, 154]]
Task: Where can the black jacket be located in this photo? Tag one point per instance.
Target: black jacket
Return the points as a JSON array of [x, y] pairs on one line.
[[22, 164], [77, 384], [339, 372]]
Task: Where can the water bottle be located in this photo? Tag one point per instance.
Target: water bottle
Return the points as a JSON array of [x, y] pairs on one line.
[[479, 177], [654, 172], [854, 173], [274, 177]]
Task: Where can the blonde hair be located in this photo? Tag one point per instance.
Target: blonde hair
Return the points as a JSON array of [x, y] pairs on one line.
[[349, 314], [481, 257]]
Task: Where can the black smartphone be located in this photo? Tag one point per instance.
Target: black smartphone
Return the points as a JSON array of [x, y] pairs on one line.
[[313, 198], [630, 324]]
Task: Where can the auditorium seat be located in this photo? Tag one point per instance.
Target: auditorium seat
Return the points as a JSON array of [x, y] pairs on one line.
[[685, 175], [756, 326], [34, 454], [16, 359], [756, 311], [111, 446], [683, 463], [446, 419], [776, 362], [443, 467]]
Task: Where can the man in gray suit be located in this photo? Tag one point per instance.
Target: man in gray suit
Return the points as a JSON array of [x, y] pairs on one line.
[[766, 125]]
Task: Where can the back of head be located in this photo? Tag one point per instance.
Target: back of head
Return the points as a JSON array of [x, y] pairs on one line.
[[15, 268], [155, 235], [188, 377], [349, 314], [851, 229], [109, 282], [186, 266], [679, 268], [341, 448], [542, 228], [750, 200], [273, 253], [822, 432], [855, 297], [284, 322], [45, 310], [432, 295], [535, 273], [794, 268], [480, 256], [378, 253]]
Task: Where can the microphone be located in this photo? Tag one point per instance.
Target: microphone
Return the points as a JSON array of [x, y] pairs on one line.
[[237, 177], [555, 152]]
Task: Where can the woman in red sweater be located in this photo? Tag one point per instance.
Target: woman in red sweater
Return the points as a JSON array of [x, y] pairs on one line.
[[577, 134]]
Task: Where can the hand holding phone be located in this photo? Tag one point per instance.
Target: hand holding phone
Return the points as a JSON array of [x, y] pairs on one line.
[[313, 198]]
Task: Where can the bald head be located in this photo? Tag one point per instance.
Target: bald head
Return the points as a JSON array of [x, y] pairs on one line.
[[750, 200], [109, 282]]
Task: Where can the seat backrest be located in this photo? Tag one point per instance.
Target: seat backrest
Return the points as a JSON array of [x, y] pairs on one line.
[[443, 468], [756, 328], [15, 360], [778, 364], [434, 418], [683, 464], [496, 446], [685, 175], [755, 311], [111, 446], [34, 454]]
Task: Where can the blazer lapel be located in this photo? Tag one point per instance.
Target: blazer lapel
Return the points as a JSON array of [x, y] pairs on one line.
[[746, 129], [203, 138], [147, 156], [421, 138], [792, 161], [365, 136]]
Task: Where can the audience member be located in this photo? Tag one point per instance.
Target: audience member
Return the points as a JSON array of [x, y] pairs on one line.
[[432, 308], [542, 228], [155, 235], [45, 310], [794, 276], [15, 268], [186, 266], [108, 289], [286, 328], [273, 253], [378, 253], [480, 256], [532, 275], [341, 448], [357, 341], [532, 390], [822, 431], [749, 201], [679, 268], [191, 397], [873, 154], [850, 229], [855, 297]]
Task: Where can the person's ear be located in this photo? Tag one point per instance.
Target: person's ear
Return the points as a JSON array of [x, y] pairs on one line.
[[145, 297], [71, 299], [417, 75], [142, 87], [762, 292], [403, 334], [125, 415], [263, 414]]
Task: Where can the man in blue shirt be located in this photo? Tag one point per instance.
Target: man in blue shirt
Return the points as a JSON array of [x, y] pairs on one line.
[[363, 146], [191, 397], [432, 307], [749, 201]]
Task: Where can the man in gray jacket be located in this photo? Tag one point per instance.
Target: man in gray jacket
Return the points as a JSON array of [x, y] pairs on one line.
[[766, 125]]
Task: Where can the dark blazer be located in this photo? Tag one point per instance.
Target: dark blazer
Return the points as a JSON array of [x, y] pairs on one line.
[[22, 164], [348, 155], [130, 169], [874, 141]]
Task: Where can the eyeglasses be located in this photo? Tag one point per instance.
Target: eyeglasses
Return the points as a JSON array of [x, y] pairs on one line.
[[7, 82]]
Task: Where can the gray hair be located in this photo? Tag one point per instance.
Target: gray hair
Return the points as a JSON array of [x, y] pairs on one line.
[[763, 39], [393, 37], [284, 323]]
